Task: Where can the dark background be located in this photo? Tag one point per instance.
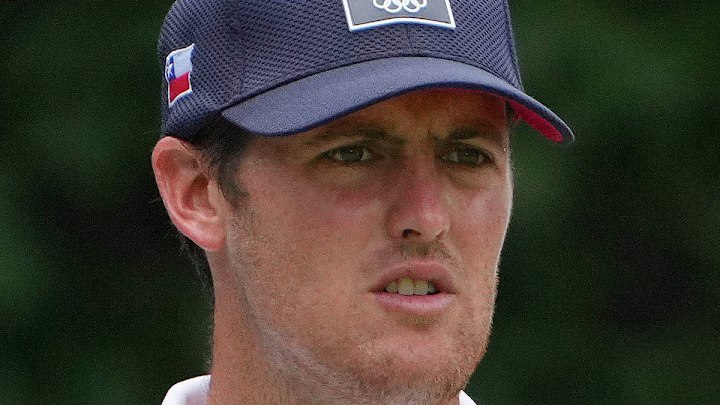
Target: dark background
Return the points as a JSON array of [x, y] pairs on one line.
[[609, 283]]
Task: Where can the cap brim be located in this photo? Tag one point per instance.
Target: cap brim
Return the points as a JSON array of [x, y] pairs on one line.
[[317, 99]]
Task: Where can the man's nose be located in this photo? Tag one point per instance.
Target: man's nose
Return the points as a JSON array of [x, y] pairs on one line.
[[419, 208]]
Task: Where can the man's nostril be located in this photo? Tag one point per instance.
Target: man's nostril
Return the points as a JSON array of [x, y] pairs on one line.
[[410, 232]]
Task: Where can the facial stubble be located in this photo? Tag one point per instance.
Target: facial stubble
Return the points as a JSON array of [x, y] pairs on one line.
[[356, 368]]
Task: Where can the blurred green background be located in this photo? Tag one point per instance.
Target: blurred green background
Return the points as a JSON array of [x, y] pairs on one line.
[[609, 283]]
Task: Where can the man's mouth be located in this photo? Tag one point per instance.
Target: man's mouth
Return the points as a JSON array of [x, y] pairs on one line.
[[419, 289], [409, 286]]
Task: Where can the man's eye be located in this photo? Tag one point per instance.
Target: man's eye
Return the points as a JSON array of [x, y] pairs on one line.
[[350, 154], [466, 156]]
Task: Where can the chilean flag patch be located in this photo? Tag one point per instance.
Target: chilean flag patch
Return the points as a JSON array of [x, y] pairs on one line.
[[178, 68]]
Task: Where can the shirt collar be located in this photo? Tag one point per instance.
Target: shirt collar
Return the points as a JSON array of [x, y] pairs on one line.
[[195, 392]]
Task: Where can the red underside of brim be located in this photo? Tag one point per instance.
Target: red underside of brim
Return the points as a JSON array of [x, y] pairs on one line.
[[539, 123]]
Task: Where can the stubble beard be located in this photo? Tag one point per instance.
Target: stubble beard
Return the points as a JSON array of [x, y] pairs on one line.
[[380, 377]]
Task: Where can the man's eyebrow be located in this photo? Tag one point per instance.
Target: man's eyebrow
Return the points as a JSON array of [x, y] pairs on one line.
[[332, 134], [489, 133]]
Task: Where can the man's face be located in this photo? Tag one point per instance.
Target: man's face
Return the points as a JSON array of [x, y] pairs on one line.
[[412, 196]]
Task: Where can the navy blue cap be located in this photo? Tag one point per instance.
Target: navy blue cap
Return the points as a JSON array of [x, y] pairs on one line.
[[278, 67]]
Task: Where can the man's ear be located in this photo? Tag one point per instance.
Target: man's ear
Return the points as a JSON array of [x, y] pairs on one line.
[[192, 198]]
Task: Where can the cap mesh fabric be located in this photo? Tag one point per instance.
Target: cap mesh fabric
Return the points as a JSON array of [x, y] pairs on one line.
[[305, 38], [221, 61], [285, 40], [481, 38]]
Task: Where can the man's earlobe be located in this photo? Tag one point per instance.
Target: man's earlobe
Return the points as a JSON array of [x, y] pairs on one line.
[[191, 197]]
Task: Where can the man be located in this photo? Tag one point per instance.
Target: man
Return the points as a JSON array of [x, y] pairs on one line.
[[345, 168]]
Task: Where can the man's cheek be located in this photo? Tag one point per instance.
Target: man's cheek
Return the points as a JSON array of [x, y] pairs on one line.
[[334, 220], [484, 223]]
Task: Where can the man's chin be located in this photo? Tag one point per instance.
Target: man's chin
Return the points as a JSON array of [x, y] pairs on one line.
[[418, 375], [396, 365], [416, 383]]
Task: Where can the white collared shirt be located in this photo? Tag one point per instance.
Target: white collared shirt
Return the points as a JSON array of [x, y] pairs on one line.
[[195, 392]]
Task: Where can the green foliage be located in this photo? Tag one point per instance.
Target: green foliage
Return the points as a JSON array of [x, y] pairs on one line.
[[609, 279]]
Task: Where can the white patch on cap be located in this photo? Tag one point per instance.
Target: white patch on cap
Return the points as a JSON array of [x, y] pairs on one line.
[[365, 14], [395, 6]]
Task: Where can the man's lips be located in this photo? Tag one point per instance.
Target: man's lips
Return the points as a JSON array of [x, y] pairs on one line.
[[435, 273], [415, 305], [394, 291]]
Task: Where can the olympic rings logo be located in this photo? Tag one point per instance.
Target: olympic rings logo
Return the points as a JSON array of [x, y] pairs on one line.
[[395, 6]]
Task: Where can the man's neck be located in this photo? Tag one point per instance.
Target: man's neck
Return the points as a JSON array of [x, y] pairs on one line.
[[240, 369]]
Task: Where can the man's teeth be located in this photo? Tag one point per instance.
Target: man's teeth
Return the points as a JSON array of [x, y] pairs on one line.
[[408, 286]]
